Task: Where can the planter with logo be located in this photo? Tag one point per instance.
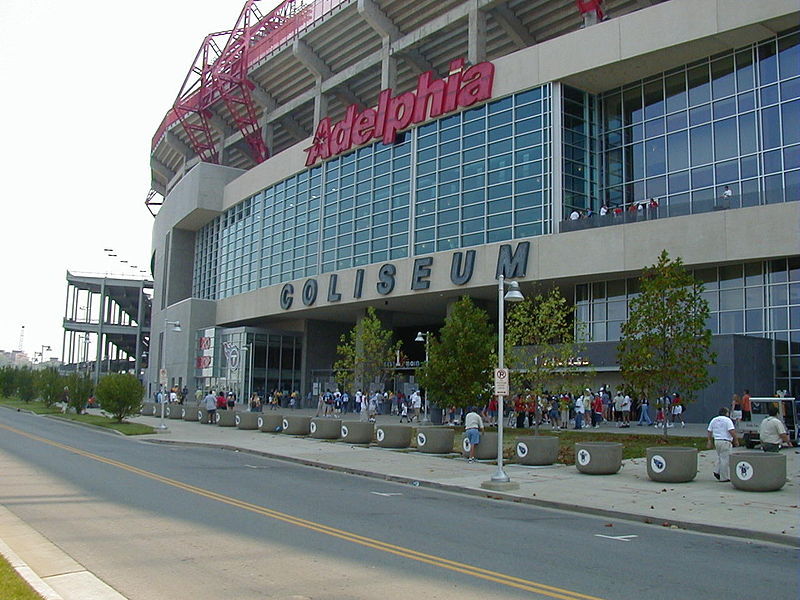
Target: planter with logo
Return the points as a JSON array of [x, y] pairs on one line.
[[148, 409], [296, 425], [174, 411], [270, 422], [325, 429], [598, 458], [435, 440], [226, 418], [754, 471], [190, 413], [486, 449], [537, 449], [671, 464], [202, 416], [357, 432], [247, 420], [393, 436]]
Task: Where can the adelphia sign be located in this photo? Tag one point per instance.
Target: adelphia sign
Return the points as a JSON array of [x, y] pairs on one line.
[[463, 87]]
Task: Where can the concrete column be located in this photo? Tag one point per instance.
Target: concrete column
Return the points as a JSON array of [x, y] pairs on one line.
[[320, 103], [388, 67], [477, 34]]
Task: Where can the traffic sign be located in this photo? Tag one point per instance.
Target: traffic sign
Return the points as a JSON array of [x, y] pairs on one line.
[[501, 382], [162, 376]]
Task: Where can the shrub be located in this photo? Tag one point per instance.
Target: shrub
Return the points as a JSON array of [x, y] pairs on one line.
[[120, 394]]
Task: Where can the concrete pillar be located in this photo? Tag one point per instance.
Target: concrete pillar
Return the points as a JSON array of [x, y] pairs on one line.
[[477, 34]]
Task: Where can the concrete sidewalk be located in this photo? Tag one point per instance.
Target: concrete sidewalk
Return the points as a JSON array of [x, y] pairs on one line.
[[704, 504]]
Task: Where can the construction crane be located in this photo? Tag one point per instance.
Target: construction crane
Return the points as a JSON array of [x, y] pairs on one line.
[[21, 338]]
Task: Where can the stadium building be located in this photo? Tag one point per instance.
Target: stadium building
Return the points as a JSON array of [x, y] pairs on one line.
[[332, 155]]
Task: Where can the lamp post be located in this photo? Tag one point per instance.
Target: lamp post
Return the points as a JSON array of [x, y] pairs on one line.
[[423, 337], [44, 348], [175, 326], [513, 295]]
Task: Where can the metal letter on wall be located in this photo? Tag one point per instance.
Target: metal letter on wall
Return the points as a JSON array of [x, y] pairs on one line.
[[386, 279], [513, 266], [422, 270], [333, 295], [310, 292], [359, 284], [459, 275], [287, 296]]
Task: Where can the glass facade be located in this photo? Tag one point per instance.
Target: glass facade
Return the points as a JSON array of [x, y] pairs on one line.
[[472, 178], [730, 119], [758, 298]]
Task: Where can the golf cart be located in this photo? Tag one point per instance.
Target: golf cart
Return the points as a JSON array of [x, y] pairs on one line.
[[787, 411]]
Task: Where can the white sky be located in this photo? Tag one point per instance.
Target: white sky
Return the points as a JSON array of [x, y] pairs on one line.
[[84, 87]]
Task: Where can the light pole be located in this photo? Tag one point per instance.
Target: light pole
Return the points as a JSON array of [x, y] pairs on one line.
[[44, 348], [423, 337], [175, 326], [513, 295]]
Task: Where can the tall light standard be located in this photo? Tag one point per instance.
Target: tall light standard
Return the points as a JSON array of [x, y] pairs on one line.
[[44, 348], [174, 326], [423, 337], [500, 478]]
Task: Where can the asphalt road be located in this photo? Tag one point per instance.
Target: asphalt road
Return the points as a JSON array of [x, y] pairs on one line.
[[161, 521]]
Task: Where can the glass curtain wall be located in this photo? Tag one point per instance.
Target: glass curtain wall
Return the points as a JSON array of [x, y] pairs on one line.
[[579, 147]]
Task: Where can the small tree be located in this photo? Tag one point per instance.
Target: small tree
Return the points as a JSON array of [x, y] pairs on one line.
[[461, 361], [665, 344], [80, 388], [49, 386], [120, 394], [366, 354], [541, 344], [8, 381], [26, 388]]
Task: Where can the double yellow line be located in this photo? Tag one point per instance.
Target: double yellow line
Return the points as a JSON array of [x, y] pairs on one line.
[[436, 561]]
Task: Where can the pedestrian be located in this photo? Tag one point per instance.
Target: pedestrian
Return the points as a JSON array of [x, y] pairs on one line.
[[644, 411], [416, 405], [677, 410], [473, 425], [255, 403], [772, 432], [198, 396], [626, 410], [722, 437], [231, 401], [597, 411], [221, 403], [579, 411], [747, 407], [554, 413], [404, 412], [736, 408], [211, 406]]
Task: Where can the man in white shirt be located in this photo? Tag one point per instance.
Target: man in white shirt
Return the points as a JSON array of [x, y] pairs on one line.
[[626, 410], [722, 437], [772, 432], [473, 425], [416, 404]]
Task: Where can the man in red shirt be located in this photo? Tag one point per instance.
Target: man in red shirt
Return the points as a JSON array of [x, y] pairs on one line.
[[747, 407]]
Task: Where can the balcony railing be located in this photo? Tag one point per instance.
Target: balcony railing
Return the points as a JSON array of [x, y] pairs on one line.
[[640, 212]]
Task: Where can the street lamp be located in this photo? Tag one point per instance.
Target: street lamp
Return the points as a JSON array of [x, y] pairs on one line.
[[513, 295], [423, 337], [176, 326], [44, 348]]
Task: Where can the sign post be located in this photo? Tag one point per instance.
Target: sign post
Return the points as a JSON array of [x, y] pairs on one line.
[[501, 382]]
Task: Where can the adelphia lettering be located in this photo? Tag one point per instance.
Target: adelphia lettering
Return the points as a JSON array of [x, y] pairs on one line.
[[463, 87]]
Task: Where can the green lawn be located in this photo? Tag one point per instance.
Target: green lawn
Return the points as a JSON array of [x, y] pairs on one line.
[[12, 586], [40, 409]]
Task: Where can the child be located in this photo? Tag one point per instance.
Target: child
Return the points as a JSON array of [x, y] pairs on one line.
[[404, 412]]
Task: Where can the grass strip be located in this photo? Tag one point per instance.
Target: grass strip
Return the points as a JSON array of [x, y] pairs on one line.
[[12, 586], [39, 408]]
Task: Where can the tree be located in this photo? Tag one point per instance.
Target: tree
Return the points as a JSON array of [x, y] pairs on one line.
[[461, 362], [49, 386], [120, 394], [665, 344], [366, 353], [8, 381], [541, 346], [80, 388], [26, 388]]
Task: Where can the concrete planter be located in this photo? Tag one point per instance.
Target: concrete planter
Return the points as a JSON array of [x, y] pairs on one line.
[[671, 464], [325, 429], [226, 418], [357, 432], [148, 409], [753, 471], [190, 413], [486, 450], [296, 425], [598, 458], [247, 420], [393, 436], [435, 440], [174, 411], [202, 416], [537, 449], [270, 423]]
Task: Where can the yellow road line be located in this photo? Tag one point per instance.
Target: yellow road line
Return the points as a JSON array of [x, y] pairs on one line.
[[437, 561]]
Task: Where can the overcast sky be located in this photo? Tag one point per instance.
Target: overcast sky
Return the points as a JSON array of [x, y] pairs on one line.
[[84, 87]]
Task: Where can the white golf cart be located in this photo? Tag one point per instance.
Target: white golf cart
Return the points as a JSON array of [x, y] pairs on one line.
[[787, 410]]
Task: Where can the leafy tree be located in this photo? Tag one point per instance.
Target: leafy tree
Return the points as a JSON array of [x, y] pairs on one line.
[[26, 390], [541, 345], [461, 362], [49, 386], [120, 394], [665, 344], [8, 381], [80, 388], [366, 354]]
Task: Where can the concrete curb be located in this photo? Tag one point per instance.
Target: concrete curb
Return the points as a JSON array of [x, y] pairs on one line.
[[784, 540], [24, 571]]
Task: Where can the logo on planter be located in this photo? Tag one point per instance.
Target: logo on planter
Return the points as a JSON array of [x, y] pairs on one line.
[[744, 470], [421, 439], [313, 427], [345, 431], [522, 449], [237, 420], [465, 445], [260, 422], [199, 415], [217, 417], [285, 424], [183, 413], [379, 435], [584, 457], [658, 464]]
